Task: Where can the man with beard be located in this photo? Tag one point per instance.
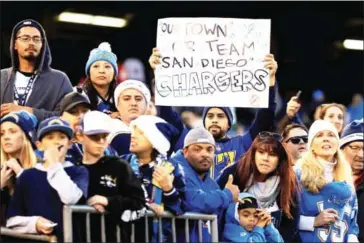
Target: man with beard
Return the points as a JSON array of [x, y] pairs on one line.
[[218, 121], [31, 84], [294, 140], [352, 144], [202, 194]]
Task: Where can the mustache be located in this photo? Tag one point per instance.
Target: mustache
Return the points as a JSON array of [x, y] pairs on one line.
[[359, 160], [31, 49], [214, 126], [205, 160]]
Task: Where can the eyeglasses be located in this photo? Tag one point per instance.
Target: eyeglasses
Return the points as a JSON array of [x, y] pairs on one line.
[[276, 136], [27, 38], [356, 148], [298, 139]]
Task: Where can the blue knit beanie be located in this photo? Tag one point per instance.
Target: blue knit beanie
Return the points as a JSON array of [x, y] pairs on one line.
[[354, 131], [227, 111], [26, 121], [102, 53]]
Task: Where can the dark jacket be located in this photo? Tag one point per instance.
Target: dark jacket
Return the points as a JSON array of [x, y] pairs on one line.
[[360, 218], [48, 89], [113, 178], [172, 201], [288, 227]]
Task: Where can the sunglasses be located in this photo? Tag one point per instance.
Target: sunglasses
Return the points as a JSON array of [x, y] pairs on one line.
[[298, 139], [98, 137], [276, 136]]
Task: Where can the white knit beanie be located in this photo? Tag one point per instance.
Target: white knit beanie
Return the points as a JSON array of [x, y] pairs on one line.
[[157, 131], [318, 126], [132, 84]]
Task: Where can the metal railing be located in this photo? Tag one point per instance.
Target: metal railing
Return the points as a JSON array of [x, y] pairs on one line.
[[69, 210], [14, 234]]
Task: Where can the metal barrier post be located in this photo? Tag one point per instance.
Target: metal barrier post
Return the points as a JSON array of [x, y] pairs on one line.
[[214, 230], [67, 224]]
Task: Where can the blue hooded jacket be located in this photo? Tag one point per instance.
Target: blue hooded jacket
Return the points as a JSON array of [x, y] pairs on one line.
[[229, 149], [201, 196], [234, 232]]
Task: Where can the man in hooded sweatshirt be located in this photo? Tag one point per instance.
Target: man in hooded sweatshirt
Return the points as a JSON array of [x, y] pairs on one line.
[[30, 83], [219, 120]]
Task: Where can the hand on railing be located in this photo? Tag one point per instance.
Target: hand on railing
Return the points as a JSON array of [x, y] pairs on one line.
[[14, 234]]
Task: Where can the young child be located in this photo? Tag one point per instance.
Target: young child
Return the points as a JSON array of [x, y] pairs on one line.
[[113, 186], [245, 222], [41, 192], [73, 107]]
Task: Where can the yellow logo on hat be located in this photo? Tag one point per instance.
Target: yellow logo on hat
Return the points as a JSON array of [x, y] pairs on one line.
[[56, 121]]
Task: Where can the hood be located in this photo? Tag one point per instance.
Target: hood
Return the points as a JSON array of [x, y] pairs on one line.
[[232, 216], [227, 111], [179, 158], [45, 58]]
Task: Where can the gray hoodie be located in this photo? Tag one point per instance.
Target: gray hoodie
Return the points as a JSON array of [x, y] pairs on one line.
[[49, 87]]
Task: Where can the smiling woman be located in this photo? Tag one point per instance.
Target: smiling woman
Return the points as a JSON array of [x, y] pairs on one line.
[[328, 201]]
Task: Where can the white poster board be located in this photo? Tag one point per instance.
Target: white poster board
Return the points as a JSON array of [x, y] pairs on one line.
[[212, 62]]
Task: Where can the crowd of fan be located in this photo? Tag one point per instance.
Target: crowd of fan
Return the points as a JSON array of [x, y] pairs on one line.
[[106, 145]]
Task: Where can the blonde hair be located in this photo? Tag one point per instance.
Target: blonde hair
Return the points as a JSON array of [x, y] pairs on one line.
[[27, 157], [322, 109], [312, 171]]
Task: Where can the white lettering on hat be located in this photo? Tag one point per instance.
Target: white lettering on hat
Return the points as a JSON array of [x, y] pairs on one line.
[[351, 137], [27, 22], [203, 140]]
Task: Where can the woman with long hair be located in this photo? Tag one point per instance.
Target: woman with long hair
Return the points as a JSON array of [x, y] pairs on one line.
[[332, 112], [265, 171], [328, 205], [16, 151], [100, 83]]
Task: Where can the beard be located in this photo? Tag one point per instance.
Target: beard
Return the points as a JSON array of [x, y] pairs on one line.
[[201, 171], [219, 135], [31, 57]]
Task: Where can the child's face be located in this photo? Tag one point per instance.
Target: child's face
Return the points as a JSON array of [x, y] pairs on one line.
[[95, 144], [54, 139], [248, 218]]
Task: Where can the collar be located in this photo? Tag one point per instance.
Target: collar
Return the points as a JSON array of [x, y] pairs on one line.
[[40, 166]]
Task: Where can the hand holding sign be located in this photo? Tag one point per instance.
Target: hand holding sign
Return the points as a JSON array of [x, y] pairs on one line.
[[154, 59], [272, 65]]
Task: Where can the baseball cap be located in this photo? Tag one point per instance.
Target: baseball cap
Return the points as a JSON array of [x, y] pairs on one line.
[[95, 122], [54, 123], [73, 99], [198, 135]]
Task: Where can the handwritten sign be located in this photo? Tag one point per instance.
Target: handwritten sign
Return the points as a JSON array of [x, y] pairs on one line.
[[212, 61]]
